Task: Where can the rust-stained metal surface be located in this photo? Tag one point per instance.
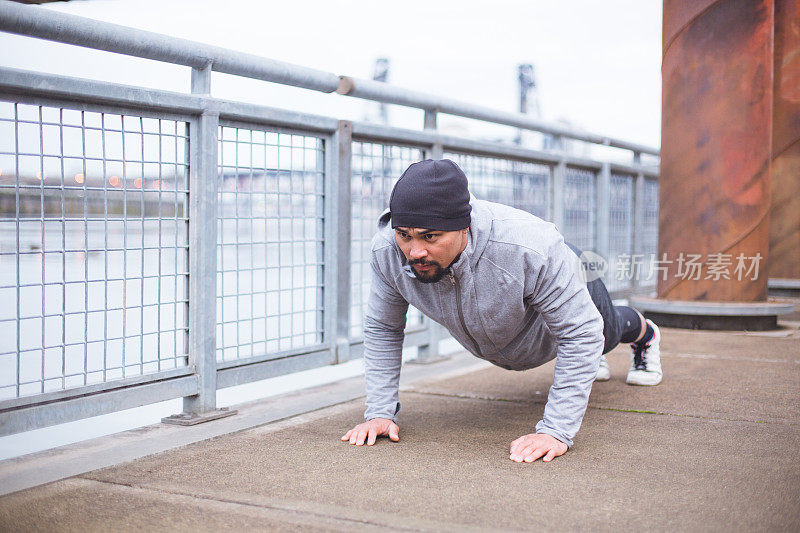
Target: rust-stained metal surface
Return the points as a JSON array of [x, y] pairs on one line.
[[784, 239], [716, 145], [677, 15]]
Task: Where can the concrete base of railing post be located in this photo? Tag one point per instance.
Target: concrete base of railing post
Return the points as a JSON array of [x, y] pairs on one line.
[[733, 316], [429, 353], [342, 350], [427, 360], [192, 419]]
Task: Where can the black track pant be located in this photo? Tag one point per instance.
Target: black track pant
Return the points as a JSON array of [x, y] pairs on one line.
[[620, 323]]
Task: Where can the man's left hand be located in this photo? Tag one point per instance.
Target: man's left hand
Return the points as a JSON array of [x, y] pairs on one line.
[[528, 448]]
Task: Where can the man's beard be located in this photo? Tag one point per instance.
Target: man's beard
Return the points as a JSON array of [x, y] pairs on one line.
[[431, 276]]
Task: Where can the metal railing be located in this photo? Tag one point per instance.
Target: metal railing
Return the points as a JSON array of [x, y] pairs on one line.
[[162, 245]]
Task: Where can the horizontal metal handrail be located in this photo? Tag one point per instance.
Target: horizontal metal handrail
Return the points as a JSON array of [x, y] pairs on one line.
[[382, 92], [89, 33], [273, 356], [380, 133], [73, 408], [94, 388], [23, 82]]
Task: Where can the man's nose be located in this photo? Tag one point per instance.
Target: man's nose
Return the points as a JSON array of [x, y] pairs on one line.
[[418, 252]]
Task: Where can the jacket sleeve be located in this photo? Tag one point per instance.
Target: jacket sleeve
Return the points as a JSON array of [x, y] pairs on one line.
[[561, 297], [384, 325]]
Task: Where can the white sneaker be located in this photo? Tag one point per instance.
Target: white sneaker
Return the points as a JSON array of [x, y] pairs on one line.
[[604, 372], [646, 361]]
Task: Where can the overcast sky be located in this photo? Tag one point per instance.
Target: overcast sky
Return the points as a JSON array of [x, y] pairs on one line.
[[597, 62]]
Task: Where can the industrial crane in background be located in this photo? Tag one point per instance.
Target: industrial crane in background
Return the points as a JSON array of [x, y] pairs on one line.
[[529, 104], [378, 112], [528, 101]]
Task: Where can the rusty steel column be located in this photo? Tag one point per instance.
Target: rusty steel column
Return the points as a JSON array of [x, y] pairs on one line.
[[784, 238], [716, 158], [715, 144]]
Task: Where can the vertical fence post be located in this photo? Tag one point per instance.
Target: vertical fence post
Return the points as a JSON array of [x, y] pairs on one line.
[[638, 228], [430, 119], [603, 219], [337, 234], [429, 353], [559, 182], [203, 179]]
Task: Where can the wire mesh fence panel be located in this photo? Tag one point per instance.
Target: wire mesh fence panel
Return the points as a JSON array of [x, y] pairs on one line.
[[620, 231], [579, 208], [375, 169], [649, 246], [520, 184], [270, 271], [93, 247]]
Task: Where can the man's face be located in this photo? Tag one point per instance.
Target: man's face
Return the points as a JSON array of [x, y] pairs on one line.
[[430, 252]]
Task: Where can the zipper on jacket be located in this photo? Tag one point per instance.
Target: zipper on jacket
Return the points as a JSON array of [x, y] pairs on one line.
[[457, 288]]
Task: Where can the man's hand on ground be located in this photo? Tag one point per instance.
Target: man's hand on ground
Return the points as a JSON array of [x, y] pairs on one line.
[[530, 447], [370, 431]]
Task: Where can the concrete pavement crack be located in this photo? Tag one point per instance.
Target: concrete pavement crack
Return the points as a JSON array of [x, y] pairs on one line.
[[349, 521], [598, 407]]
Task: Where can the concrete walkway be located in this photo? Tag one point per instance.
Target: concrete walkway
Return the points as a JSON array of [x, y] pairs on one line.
[[715, 447]]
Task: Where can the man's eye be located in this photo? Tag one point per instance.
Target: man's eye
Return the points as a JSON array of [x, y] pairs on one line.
[[429, 236]]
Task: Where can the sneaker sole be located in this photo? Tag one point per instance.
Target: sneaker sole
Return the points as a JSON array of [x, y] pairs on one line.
[[644, 381]]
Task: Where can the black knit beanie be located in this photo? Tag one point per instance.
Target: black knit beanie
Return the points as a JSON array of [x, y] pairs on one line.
[[431, 195]]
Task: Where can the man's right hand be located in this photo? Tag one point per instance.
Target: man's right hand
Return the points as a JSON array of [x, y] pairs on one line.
[[370, 431]]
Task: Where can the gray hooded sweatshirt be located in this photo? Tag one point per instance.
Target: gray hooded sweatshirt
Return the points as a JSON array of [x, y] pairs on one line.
[[513, 298]]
